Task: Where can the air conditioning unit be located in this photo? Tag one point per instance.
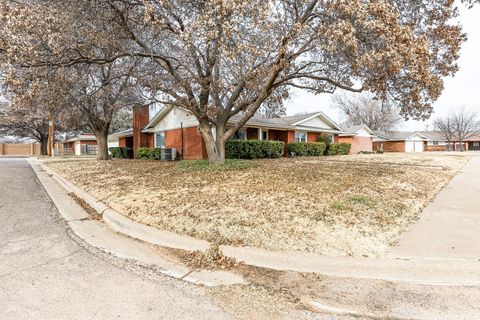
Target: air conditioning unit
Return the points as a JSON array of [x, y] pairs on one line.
[[169, 154]]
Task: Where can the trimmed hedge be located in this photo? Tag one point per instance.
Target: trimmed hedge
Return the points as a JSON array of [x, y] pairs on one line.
[[121, 152], [325, 138], [306, 149], [253, 149], [339, 149], [149, 153]]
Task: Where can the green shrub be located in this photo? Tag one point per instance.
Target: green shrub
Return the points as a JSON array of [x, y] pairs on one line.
[[204, 165], [325, 138], [121, 152], [306, 149], [253, 149], [149, 153], [339, 149]]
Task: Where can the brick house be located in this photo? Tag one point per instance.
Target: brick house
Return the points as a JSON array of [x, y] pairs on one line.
[[438, 142], [360, 137], [420, 141], [399, 141], [81, 144], [174, 127]]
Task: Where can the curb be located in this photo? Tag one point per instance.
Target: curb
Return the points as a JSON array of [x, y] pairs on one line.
[[109, 239], [122, 224], [418, 271]]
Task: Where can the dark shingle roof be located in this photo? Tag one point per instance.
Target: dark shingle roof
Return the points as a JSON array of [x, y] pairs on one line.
[[298, 117], [354, 129], [394, 135], [262, 120]]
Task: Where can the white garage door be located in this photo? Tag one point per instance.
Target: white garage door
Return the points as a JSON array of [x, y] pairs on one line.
[[414, 146]]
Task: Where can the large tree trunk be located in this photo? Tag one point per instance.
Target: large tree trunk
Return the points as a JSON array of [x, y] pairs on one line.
[[102, 145], [215, 147], [44, 147]]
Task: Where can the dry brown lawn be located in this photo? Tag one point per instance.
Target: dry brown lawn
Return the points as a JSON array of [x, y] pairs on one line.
[[348, 205]]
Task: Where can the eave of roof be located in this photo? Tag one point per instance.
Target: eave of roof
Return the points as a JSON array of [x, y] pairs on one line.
[[159, 116], [120, 134], [81, 137], [353, 130]]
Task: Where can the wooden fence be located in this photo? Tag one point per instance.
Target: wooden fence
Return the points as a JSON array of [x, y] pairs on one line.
[[19, 149]]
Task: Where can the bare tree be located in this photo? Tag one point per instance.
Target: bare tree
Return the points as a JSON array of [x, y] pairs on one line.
[[35, 102], [445, 126], [365, 109], [122, 120], [219, 58], [458, 126], [99, 93], [24, 122]]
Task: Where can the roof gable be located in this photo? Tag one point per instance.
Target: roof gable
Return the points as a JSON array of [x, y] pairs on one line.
[[360, 130], [316, 120], [400, 135]]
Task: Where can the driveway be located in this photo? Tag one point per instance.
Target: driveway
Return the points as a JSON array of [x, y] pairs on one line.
[[449, 228], [46, 274]]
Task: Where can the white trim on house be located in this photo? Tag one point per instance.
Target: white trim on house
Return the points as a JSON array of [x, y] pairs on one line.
[[362, 131], [301, 132], [322, 115], [81, 137], [313, 129], [422, 137]]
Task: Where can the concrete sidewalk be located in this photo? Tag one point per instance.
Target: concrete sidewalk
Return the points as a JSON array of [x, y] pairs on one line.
[[449, 228]]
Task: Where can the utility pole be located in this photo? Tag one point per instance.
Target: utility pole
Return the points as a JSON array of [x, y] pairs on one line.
[[51, 136]]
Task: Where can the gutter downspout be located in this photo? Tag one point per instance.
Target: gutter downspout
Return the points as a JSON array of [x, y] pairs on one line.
[[181, 128]]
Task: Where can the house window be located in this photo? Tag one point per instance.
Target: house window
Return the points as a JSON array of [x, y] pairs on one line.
[[332, 138], [435, 143], [160, 140], [240, 135], [300, 136], [476, 144], [263, 135]]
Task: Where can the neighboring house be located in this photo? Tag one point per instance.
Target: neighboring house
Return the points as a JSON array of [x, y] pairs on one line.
[[174, 127], [360, 137], [438, 142], [81, 144], [121, 139], [420, 141], [399, 141]]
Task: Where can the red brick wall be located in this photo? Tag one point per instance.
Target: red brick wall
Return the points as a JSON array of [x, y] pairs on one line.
[[313, 136], [358, 143], [290, 136], [390, 146], [193, 146], [122, 142], [434, 148]]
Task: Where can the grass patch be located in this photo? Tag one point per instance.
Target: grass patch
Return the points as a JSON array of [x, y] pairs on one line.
[[361, 200], [350, 205], [350, 202], [204, 165]]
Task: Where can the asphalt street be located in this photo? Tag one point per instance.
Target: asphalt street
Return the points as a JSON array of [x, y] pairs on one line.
[[46, 273]]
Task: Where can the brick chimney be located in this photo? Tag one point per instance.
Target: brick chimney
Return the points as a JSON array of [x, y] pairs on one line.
[[140, 120]]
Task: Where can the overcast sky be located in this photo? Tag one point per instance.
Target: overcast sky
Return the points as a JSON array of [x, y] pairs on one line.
[[461, 90]]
